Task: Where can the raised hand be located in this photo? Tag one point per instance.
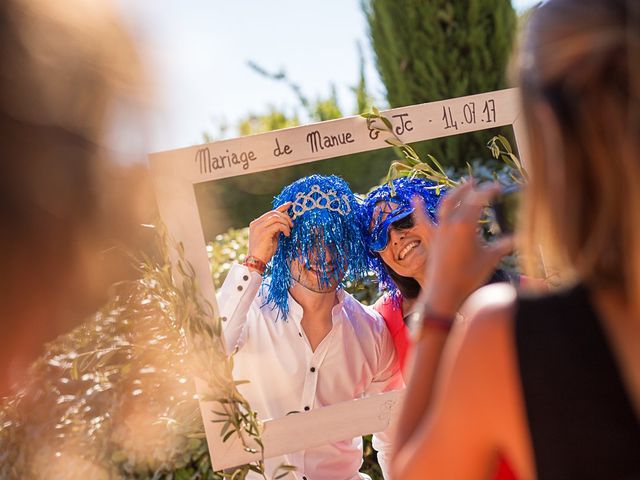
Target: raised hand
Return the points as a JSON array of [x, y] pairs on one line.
[[265, 230], [460, 260]]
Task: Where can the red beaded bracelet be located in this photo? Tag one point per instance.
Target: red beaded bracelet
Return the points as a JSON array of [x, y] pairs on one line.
[[431, 321], [441, 322], [255, 263]]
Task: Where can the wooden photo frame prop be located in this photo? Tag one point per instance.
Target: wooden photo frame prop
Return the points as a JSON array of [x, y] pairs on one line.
[[176, 172]]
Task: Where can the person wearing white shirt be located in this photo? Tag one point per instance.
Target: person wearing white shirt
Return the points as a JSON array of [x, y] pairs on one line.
[[298, 337]]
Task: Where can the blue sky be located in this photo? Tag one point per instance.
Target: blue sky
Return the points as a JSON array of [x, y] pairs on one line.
[[197, 53]]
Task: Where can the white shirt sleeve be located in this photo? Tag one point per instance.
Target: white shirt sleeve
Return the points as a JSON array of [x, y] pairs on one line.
[[388, 378], [236, 300]]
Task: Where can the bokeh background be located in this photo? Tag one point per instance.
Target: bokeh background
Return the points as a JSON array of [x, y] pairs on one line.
[[113, 398]]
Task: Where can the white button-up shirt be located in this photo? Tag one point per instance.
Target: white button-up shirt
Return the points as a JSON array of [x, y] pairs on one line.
[[355, 359]]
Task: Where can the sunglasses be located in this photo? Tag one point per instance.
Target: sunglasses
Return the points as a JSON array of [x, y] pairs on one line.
[[404, 223], [379, 238]]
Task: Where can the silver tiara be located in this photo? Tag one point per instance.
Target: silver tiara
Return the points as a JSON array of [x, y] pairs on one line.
[[316, 198]]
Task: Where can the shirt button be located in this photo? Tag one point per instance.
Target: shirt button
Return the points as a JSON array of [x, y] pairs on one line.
[[306, 409], [245, 277], [313, 369], [300, 333], [239, 288], [224, 319]]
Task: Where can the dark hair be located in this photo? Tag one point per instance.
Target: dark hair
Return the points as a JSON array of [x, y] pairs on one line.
[[410, 288]]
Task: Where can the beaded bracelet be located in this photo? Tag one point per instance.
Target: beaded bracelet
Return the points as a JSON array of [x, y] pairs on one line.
[[440, 322], [431, 321], [255, 263]]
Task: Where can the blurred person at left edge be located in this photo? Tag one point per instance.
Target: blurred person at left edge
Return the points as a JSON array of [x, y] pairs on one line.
[[64, 201]]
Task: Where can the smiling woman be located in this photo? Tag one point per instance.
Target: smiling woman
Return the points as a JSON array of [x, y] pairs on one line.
[[398, 246], [399, 243], [404, 242]]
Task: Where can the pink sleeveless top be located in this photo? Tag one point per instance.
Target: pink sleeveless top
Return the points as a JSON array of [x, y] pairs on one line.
[[392, 314]]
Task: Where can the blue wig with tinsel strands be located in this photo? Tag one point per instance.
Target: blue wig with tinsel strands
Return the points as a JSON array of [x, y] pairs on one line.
[[398, 195], [328, 222]]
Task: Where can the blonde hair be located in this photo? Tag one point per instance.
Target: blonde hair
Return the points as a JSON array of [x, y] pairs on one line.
[[580, 61]]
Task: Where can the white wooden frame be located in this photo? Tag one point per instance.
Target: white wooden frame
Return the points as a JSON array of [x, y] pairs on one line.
[[176, 172]]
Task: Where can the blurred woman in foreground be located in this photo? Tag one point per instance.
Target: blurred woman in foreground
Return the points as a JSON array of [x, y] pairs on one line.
[[552, 382]]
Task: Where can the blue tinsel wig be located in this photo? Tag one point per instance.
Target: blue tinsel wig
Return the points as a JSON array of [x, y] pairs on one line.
[[328, 221], [399, 195]]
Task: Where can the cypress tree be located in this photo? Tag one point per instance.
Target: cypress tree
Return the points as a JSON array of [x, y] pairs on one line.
[[429, 50]]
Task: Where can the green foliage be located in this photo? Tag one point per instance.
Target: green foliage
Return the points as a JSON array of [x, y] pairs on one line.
[[501, 148], [410, 164], [370, 464], [115, 397], [327, 108], [228, 248], [363, 99], [429, 50], [506, 173], [273, 120]]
